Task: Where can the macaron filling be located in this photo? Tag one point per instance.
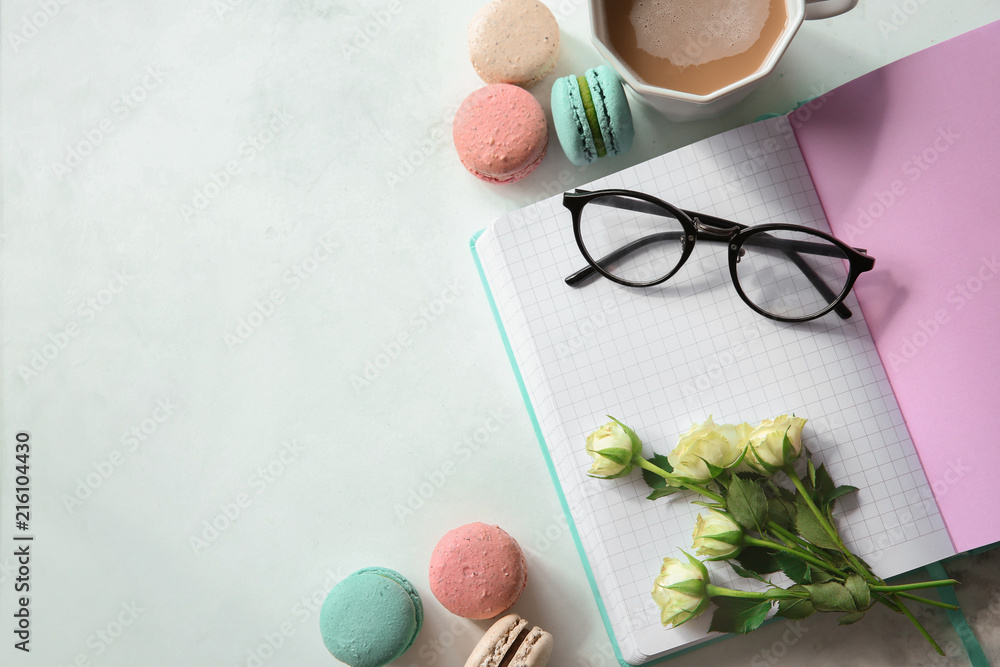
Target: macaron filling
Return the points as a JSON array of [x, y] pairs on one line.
[[515, 646], [591, 111]]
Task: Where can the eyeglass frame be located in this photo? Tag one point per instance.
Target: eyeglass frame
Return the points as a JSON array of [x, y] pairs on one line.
[[711, 228]]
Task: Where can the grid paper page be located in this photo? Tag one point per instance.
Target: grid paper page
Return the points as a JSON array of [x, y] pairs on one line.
[[662, 358]]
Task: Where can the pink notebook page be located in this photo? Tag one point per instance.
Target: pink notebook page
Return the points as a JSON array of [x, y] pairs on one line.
[[906, 162]]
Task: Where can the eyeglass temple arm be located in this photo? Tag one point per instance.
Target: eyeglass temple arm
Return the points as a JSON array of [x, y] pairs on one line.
[[793, 250], [727, 228]]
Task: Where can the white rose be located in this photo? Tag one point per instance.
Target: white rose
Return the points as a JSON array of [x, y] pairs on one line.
[[718, 444], [679, 606], [612, 448], [767, 451], [717, 536]]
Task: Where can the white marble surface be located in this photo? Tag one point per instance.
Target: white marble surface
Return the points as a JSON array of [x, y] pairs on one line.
[[216, 215]]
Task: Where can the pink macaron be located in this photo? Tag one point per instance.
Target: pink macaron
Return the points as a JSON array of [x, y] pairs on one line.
[[500, 133], [477, 571]]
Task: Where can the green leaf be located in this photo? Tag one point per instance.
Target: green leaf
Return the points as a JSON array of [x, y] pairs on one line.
[[819, 576], [692, 587], [837, 493], [810, 468], [743, 572], [709, 505], [824, 484], [713, 470], [662, 492], [652, 479], [859, 590], [761, 463], [796, 609], [852, 617], [830, 596], [781, 512], [617, 454], [738, 615], [759, 560], [747, 503], [780, 491], [797, 569], [788, 453], [810, 528], [636, 442]]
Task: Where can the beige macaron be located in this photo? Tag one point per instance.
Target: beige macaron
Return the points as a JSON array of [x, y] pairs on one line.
[[514, 41], [530, 645]]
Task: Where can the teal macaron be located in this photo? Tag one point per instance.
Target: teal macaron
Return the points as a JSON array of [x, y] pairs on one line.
[[591, 115], [371, 618]]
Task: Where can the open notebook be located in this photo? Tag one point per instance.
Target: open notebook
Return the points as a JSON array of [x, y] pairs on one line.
[[662, 358]]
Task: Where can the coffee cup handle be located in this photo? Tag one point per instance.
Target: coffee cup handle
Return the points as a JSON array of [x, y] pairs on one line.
[[824, 9]]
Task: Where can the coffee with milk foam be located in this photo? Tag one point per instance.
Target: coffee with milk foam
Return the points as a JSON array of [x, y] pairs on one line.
[[694, 32], [696, 46]]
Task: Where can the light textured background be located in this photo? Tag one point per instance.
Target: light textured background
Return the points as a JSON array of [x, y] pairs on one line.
[[218, 217]]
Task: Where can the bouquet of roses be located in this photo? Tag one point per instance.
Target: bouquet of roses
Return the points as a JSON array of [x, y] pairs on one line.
[[755, 523]]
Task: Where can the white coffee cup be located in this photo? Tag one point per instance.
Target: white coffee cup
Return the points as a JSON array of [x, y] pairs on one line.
[[681, 106]]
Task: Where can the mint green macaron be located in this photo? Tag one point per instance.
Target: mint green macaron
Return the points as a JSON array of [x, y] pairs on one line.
[[371, 618], [591, 115]]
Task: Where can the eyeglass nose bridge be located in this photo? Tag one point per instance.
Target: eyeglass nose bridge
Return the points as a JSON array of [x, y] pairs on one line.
[[715, 232]]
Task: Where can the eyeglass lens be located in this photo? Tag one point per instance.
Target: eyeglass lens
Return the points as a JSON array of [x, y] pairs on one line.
[[630, 238], [790, 273]]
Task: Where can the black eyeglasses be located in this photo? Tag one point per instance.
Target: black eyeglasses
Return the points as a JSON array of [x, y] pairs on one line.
[[785, 272]]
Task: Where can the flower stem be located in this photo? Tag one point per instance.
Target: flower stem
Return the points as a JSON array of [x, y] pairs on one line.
[[792, 539], [809, 558], [933, 603], [705, 492], [720, 591], [657, 470], [914, 587], [651, 467], [829, 529], [906, 612]]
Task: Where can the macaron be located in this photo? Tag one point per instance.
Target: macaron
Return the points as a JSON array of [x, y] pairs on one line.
[[371, 618], [514, 41], [500, 133], [477, 571], [512, 642], [591, 115]]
